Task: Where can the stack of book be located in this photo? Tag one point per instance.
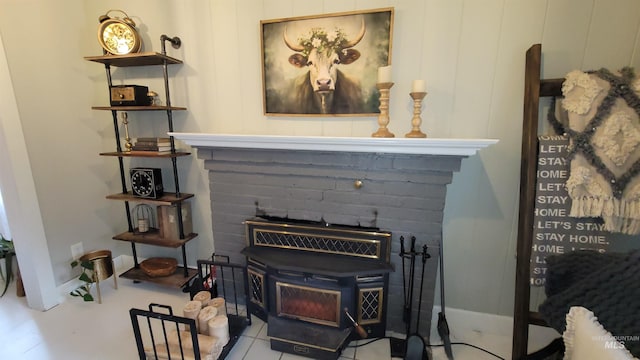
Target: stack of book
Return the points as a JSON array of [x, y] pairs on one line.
[[155, 144]]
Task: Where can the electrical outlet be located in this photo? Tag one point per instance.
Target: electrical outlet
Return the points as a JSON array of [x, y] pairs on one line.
[[77, 250]]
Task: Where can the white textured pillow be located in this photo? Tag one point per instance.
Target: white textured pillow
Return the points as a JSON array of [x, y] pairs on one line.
[[585, 338]]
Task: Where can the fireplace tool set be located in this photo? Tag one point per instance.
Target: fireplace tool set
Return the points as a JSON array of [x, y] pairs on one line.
[[413, 347]]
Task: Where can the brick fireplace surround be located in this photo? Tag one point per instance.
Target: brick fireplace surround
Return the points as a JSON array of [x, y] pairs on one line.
[[403, 190]]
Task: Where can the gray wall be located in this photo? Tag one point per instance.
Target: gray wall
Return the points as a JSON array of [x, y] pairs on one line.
[[471, 54]]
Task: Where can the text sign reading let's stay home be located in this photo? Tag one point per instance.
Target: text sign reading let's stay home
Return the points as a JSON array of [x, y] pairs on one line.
[[554, 231]]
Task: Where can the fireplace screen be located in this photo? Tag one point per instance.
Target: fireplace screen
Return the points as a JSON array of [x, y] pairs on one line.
[[315, 305]]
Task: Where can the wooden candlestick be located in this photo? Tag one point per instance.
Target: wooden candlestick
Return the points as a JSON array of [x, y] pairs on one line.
[[383, 118], [416, 120]]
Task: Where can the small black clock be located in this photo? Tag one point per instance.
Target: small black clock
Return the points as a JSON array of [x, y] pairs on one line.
[[146, 182]]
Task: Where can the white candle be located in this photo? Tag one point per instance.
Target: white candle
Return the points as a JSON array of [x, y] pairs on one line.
[[384, 74], [143, 225], [418, 86]]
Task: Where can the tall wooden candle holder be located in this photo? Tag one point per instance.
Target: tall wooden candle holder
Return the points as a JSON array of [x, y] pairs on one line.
[[416, 121], [383, 118]]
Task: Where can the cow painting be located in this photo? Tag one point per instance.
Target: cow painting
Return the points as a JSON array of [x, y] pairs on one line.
[[324, 88], [325, 65]]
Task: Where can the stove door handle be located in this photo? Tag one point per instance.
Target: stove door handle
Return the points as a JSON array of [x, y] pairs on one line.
[[359, 329]]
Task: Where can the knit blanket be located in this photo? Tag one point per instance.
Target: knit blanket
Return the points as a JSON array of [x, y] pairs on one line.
[[603, 111], [608, 284]]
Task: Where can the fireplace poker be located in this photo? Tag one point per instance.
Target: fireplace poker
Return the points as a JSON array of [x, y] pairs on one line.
[[414, 343], [443, 326], [412, 265], [359, 329], [425, 256], [405, 315]]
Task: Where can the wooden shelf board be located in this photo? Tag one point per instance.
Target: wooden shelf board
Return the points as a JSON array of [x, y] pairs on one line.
[[136, 59], [168, 198], [139, 108], [153, 239], [177, 279], [145, 154]]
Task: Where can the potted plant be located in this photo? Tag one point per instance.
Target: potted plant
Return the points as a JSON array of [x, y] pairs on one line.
[[96, 266], [7, 252], [86, 276]]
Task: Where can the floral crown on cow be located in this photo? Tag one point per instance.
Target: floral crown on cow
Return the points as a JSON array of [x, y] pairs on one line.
[[325, 42]]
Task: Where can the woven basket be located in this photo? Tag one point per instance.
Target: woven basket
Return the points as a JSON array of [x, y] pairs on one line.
[[158, 267]]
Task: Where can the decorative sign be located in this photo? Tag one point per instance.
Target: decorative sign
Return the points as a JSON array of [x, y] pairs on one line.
[[554, 232]]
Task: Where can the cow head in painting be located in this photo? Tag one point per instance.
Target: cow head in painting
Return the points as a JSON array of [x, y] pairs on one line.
[[322, 51]]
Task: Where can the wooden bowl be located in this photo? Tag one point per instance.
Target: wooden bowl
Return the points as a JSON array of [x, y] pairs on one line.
[[158, 267]]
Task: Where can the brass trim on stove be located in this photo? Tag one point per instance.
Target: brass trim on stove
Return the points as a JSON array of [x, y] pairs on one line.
[[280, 312], [295, 274], [253, 261], [303, 344], [378, 319], [262, 287], [298, 226], [376, 243]]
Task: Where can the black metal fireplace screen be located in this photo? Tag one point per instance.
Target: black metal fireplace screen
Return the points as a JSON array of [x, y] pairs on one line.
[[312, 273]]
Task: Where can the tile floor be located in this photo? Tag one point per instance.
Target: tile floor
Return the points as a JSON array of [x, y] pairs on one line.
[[78, 330]]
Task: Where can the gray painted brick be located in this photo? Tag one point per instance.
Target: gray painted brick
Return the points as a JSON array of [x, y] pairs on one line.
[[408, 189], [434, 162], [204, 154], [404, 194]]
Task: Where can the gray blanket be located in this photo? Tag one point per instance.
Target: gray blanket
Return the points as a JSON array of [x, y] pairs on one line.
[[607, 284]]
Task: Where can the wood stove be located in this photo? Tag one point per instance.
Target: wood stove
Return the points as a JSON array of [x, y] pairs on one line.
[[304, 278]]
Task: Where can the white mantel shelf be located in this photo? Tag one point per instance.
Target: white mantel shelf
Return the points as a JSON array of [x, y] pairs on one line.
[[428, 146]]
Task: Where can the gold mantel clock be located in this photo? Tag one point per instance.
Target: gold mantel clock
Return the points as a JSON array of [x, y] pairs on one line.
[[118, 36]]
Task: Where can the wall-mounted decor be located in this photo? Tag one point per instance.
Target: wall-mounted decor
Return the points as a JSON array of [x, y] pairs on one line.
[[326, 64]]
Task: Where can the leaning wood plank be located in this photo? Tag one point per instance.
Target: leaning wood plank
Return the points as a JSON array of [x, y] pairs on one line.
[[527, 197]]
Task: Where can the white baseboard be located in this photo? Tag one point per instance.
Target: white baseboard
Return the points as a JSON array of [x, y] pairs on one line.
[[465, 321], [462, 323]]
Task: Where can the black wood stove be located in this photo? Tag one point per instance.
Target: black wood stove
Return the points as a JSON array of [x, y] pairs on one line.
[[307, 279]]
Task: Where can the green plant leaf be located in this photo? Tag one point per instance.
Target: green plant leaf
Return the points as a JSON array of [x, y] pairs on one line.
[[87, 265], [87, 277], [84, 277], [6, 244], [6, 286], [8, 260]]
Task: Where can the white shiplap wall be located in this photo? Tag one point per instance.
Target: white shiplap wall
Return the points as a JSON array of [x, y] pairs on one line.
[[470, 52]]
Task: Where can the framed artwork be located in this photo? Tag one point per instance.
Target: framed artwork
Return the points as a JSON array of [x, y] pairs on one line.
[[325, 65]]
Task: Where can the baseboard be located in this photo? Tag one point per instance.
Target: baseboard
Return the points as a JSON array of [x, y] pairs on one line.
[[463, 322]]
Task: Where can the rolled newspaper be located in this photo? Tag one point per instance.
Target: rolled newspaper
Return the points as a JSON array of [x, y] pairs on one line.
[[207, 313], [219, 304], [219, 328], [191, 311], [203, 297]]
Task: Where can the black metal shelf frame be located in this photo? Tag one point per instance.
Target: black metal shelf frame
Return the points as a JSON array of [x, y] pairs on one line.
[[164, 61]]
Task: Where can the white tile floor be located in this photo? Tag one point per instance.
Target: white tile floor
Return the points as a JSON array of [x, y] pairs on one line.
[[78, 330]]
